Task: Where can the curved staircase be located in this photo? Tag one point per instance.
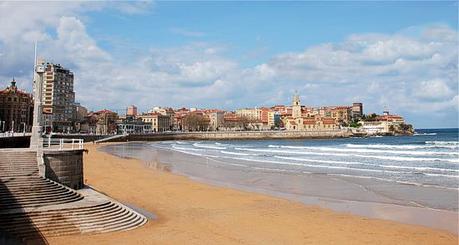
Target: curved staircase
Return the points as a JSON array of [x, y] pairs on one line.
[[33, 208]]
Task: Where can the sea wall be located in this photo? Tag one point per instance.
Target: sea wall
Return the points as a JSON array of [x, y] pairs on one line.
[[238, 135], [65, 167]]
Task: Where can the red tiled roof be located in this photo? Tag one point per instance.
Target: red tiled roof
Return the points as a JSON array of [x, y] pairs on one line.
[[309, 122], [104, 111]]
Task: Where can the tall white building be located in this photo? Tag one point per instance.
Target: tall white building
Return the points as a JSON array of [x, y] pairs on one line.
[[58, 98]]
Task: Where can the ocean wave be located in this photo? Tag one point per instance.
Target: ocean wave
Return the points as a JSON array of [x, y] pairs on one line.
[[333, 167], [424, 134], [331, 149], [237, 153], [207, 146], [381, 157], [185, 148], [407, 147], [442, 175], [419, 169], [442, 143]]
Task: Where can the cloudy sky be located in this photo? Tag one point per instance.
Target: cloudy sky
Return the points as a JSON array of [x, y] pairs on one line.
[[399, 56]]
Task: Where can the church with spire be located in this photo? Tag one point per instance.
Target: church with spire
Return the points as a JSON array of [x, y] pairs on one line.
[[303, 118]]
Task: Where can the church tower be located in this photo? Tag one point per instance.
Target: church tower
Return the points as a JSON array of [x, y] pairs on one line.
[[296, 106]]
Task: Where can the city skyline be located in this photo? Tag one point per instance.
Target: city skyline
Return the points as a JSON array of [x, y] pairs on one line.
[[134, 53]]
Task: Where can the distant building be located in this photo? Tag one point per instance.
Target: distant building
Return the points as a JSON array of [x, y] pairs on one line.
[[382, 124], [16, 109], [80, 112], [303, 119], [357, 110], [296, 107], [274, 119], [342, 114], [131, 111], [105, 121], [132, 125], [159, 122], [216, 120], [58, 98]]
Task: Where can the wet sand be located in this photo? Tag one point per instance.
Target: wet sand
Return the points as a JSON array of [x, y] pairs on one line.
[[409, 204], [189, 212]]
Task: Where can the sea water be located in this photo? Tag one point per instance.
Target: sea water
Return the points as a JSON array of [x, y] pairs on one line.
[[410, 179], [389, 166], [429, 158]]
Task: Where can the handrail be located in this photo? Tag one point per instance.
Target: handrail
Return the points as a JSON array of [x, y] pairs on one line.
[[63, 144]]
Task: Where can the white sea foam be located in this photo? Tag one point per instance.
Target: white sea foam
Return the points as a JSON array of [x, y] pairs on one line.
[[332, 149], [382, 157], [207, 146], [410, 147], [437, 142], [333, 167], [185, 148], [236, 153], [424, 134], [442, 175]]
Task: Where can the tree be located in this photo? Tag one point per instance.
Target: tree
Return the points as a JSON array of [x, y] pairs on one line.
[[195, 122], [355, 124], [245, 121]]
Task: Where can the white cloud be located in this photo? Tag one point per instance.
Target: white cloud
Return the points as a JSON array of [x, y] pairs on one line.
[[433, 90], [415, 73]]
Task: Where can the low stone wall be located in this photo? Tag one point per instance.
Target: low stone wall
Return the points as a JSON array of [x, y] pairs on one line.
[[239, 135], [65, 167]]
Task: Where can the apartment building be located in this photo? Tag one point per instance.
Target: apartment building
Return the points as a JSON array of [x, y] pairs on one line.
[[58, 98]]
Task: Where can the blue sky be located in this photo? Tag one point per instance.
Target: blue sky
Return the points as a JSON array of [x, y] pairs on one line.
[[275, 26], [399, 55]]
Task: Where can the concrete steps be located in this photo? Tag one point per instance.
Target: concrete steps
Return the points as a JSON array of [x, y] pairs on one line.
[[102, 218], [32, 207]]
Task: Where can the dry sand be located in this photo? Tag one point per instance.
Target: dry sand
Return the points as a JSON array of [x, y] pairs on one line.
[[194, 213]]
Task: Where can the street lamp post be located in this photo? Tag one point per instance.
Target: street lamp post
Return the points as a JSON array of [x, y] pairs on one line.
[[36, 140]]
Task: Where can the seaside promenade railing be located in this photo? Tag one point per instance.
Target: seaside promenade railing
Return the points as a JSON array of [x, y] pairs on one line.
[[63, 144]]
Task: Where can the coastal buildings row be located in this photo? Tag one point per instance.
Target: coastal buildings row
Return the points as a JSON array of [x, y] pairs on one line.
[[62, 114], [279, 117]]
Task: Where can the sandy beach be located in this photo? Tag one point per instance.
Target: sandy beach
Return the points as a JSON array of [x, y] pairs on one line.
[[189, 212]]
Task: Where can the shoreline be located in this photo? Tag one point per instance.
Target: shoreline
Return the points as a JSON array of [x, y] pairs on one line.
[[357, 198], [196, 213]]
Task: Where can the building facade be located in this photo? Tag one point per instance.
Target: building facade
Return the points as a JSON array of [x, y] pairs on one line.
[[131, 111], [159, 122], [305, 119], [16, 109], [357, 110], [216, 120], [58, 98], [105, 121]]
